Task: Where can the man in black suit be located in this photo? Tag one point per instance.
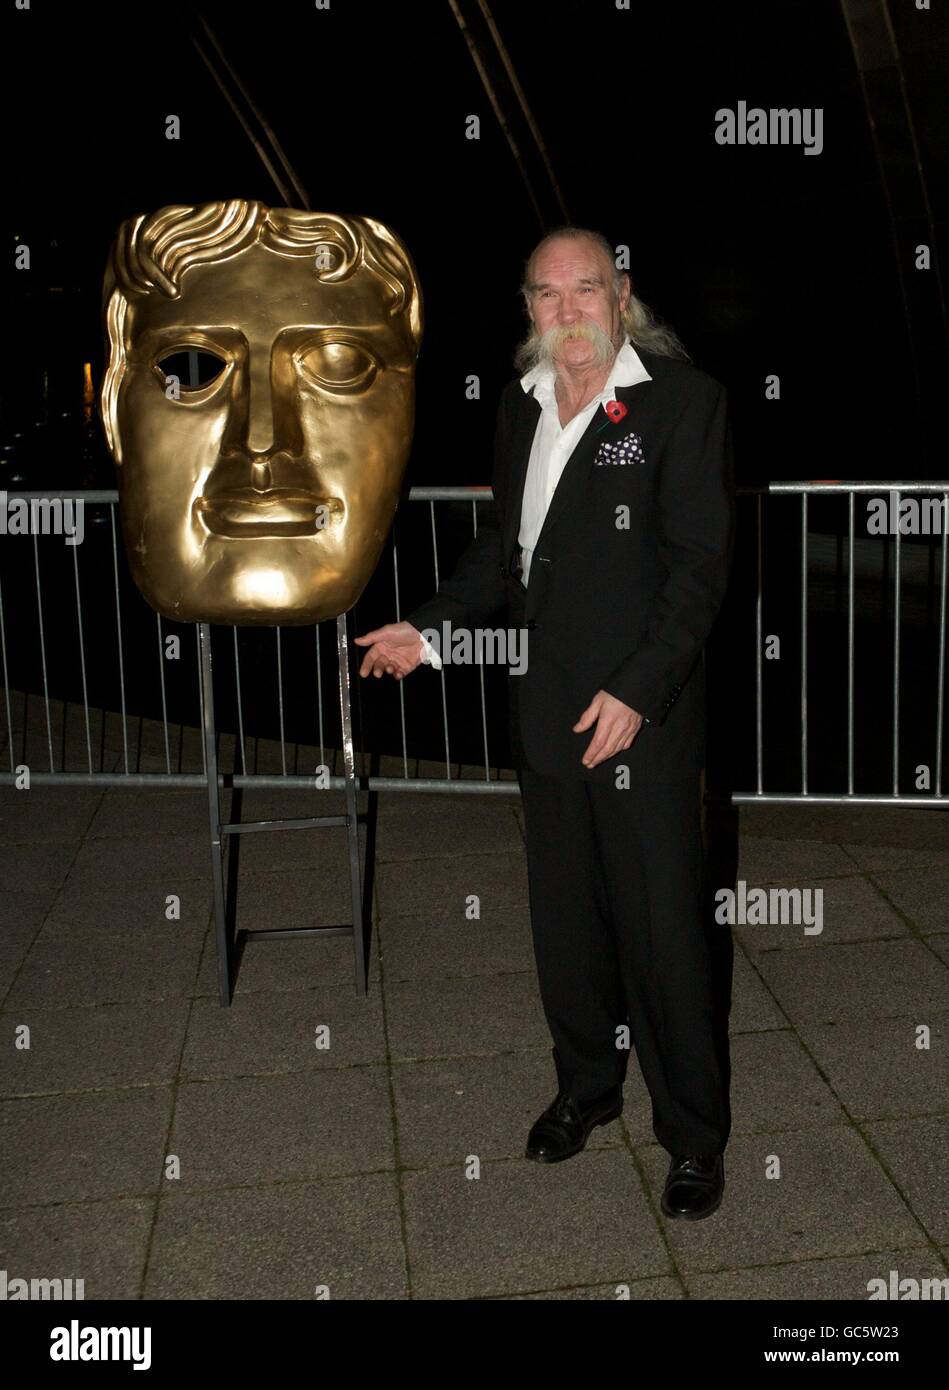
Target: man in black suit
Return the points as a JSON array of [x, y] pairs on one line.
[[610, 547]]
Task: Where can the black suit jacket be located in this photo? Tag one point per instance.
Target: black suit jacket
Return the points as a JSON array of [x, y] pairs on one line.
[[623, 607]]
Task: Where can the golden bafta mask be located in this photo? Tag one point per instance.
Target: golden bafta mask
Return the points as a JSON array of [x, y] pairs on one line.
[[264, 493]]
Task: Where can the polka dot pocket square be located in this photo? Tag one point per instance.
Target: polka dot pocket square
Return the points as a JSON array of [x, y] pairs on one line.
[[627, 450]]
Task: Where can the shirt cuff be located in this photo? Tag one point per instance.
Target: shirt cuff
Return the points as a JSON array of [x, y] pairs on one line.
[[430, 655]]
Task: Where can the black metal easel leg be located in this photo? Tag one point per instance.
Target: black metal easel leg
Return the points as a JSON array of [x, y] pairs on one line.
[[228, 940]]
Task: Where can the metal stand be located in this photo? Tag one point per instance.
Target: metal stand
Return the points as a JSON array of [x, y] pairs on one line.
[[230, 942]]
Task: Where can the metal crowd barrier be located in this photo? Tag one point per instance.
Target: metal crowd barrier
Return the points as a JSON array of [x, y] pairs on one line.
[[127, 776], [848, 545], [894, 493]]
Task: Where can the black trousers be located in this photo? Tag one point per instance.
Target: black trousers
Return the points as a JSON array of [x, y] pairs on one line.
[[616, 892]]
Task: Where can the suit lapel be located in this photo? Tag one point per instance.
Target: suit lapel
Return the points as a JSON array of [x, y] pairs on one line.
[[522, 439]]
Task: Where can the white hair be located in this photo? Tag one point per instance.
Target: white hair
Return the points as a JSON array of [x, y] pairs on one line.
[[638, 320]]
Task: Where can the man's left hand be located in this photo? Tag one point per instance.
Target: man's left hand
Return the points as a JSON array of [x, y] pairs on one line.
[[616, 727]]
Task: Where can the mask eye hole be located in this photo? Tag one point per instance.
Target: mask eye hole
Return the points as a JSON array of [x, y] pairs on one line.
[[339, 366], [192, 368]]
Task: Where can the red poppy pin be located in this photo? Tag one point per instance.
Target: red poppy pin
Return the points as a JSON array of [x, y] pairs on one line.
[[615, 410]]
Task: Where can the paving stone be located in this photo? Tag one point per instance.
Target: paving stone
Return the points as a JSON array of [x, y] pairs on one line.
[[879, 979], [17, 934], [752, 1009], [482, 1105], [918, 827], [432, 946], [12, 953], [46, 814], [847, 1278], [262, 1033], [522, 1226], [633, 1290], [321, 850], [465, 1017], [849, 909], [147, 813], [282, 963], [833, 1198], [267, 1129], [281, 1241], [23, 912], [291, 898], [66, 970], [876, 858], [775, 1085], [121, 912], [445, 886], [875, 1067], [914, 1151], [83, 1049], [293, 803], [755, 817], [920, 894], [71, 1148], [34, 868], [168, 860], [101, 1243], [423, 827], [767, 860]]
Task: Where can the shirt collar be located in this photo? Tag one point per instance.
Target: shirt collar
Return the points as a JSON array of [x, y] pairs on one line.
[[627, 370]]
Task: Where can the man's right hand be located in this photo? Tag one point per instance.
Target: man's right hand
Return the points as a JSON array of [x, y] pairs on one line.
[[394, 650]]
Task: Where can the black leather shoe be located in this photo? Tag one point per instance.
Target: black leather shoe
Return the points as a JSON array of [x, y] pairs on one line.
[[564, 1127], [694, 1186]]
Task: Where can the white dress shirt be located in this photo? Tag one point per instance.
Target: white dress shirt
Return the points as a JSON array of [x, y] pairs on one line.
[[553, 444]]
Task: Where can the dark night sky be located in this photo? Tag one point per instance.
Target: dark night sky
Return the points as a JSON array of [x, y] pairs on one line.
[[766, 260]]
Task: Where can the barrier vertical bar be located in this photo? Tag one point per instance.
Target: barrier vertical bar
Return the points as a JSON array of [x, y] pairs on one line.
[[283, 745], [118, 629], [352, 821], [444, 655], [850, 645], [897, 585], [401, 684], [82, 656], [941, 672], [39, 610], [484, 706], [240, 702], [804, 643], [8, 712], [221, 932], [759, 641], [164, 702]]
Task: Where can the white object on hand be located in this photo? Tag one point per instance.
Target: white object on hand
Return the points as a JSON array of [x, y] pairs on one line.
[[430, 655]]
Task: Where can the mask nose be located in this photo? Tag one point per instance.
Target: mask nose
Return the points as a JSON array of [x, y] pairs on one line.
[[260, 413]]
